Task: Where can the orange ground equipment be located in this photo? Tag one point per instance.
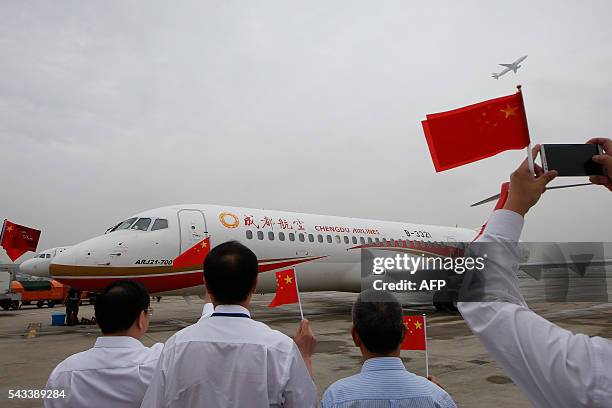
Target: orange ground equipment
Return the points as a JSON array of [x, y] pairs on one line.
[[40, 292]]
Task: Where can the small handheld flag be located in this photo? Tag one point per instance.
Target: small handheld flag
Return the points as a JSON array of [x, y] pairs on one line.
[[287, 290], [475, 132], [415, 337], [17, 239]]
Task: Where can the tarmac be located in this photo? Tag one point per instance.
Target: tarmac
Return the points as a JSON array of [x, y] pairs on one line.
[[30, 347]]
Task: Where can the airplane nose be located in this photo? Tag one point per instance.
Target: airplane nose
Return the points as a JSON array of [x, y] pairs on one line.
[[63, 264], [35, 267]]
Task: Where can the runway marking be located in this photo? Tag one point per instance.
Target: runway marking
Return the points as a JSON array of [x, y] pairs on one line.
[[32, 330]]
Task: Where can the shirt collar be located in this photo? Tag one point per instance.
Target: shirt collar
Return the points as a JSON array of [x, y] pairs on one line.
[[118, 342], [232, 309], [383, 363]]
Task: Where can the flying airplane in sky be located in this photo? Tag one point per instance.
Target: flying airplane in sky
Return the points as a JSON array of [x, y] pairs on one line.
[[509, 67]]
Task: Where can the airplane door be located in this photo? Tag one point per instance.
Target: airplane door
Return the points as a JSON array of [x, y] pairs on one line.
[[193, 228]]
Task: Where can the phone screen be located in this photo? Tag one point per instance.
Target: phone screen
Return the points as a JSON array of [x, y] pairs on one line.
[[572, 159]]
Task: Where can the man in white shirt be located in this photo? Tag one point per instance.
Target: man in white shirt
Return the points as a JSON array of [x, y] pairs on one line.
[[117, 370], [229, 359], [550, 365]]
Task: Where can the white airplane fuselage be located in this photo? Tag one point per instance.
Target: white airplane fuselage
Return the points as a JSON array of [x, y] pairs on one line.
[[324, 250]]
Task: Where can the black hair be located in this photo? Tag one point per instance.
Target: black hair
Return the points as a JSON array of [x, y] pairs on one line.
[[230, 271], [120, 305], [377, 318]]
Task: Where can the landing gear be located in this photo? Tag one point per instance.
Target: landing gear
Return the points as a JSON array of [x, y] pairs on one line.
[[445, 301]]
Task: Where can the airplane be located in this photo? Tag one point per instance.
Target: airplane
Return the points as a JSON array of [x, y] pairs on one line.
[[39, 264], [324, 250], [509, 67]]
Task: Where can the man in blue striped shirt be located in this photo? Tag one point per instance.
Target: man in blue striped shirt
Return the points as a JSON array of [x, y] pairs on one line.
[[378, 330]]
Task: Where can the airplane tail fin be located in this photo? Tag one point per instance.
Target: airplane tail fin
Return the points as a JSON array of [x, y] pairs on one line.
[[494, 75]]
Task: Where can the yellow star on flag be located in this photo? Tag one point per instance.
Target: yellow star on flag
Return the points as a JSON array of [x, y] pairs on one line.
[[203, 244], [288, 279], [9, 228], [509, 111], [418, 325]]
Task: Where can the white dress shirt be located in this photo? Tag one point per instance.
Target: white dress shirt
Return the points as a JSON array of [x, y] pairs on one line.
[[550, 365], [224, 361], [114, 373], [207, 310]]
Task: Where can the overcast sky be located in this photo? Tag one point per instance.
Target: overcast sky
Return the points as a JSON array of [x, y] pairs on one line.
[[111, 108]]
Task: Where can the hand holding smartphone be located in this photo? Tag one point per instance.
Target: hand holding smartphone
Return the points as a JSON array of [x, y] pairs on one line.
[[572, 159]]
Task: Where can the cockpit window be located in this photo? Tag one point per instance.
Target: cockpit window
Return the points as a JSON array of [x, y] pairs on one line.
[[159, 223], [142, 224], [123, 225]]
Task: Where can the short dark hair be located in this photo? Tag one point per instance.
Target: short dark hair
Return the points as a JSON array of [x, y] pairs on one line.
[[230, 270], [377, 318], [121, 303]]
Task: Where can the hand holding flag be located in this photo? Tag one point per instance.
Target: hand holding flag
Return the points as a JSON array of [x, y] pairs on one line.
[[415, 337]]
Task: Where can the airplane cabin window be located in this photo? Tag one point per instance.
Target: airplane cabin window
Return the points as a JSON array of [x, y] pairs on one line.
[[291, 236], [320, 238], [338, 239], [310, 237], [377, 239], [301, 237], [142, 224], [271, 236], [260, 235], [281, 236], [362, 240], [354, 239], [123, 225], [346, 239], [329, 239], [159, 223], [249, 234], [369, 240]]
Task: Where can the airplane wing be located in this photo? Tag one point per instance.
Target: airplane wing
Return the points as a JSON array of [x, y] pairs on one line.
[[496, 196], [507, 65], [534, 269]]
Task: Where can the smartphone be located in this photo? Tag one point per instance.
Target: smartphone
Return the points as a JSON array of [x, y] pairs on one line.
[[571, 159]]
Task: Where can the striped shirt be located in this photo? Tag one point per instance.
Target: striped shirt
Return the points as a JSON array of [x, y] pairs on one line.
[[385, 382]]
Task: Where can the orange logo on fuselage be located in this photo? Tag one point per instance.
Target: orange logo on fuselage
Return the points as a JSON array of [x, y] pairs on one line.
[[229, 220]]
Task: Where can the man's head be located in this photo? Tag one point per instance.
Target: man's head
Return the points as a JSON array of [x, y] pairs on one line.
[[378, 326], [230, 273], [123, 309]]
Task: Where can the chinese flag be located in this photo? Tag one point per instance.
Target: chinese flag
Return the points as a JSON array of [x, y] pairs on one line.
[[414, 339], [17, 239], [194, 256], [286, 288], [475, 132]]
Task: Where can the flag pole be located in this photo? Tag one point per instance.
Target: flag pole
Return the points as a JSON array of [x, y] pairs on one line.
[[2, 232], [529, 155], [426, 356], [297, 288]]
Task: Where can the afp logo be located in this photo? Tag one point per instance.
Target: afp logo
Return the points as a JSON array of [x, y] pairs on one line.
[[229, 220]]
